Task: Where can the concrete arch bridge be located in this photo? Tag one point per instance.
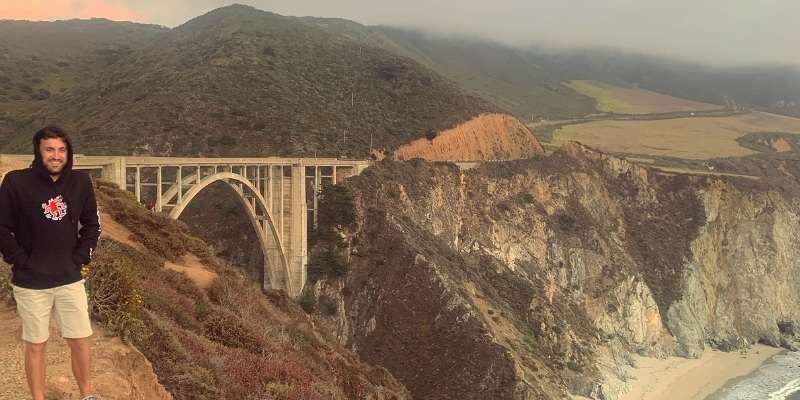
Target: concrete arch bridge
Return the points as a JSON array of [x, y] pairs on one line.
[[278, 194]]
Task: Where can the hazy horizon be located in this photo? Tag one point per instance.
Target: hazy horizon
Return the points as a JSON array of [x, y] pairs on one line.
[[712, 32]]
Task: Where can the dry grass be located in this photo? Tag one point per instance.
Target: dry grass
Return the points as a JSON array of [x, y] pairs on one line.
[[689, 138], [616, 99]]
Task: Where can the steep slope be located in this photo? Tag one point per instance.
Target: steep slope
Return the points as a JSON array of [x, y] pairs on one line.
[[239, 81], [534, 278], [217, 339], [486, 137]]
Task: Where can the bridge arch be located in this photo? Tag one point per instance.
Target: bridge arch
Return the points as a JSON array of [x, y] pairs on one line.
[[277, 272], [288, 185]]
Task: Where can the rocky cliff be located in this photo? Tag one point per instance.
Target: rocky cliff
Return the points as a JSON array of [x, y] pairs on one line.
[[538, 278]]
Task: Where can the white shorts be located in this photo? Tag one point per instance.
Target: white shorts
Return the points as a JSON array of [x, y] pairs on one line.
[[71, 311]]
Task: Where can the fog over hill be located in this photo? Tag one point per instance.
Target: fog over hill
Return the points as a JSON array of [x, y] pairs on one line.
[[717, 32]]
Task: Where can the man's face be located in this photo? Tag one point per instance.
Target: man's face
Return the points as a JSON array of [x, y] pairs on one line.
[[54, 154]]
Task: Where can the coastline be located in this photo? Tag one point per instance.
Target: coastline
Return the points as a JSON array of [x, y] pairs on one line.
[[694, 379], [735, 381]]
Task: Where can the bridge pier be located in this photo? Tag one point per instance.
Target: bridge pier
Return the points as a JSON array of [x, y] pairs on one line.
[[298, 243]]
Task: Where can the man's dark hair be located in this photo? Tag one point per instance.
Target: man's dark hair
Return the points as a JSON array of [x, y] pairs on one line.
[[50, 132]]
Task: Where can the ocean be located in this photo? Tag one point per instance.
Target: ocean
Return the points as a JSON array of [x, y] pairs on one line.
[[777, 379]]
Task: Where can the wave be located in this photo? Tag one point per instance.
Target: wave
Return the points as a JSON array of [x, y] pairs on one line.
[[775, 380], [784, 392]]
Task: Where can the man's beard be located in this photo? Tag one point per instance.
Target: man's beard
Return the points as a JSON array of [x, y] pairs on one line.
[[55, 170]]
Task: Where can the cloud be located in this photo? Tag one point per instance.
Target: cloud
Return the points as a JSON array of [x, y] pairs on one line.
[[49, 10], [711, 31]]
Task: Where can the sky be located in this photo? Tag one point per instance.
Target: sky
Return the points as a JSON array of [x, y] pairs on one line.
[[718, 32]]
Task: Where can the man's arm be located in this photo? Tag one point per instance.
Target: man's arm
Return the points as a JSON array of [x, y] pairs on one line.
[[13, 253], [90, 228]]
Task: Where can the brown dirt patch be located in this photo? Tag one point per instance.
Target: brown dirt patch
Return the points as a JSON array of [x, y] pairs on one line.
[[188, 264], [114, 230], [781, 145], [193, 268]]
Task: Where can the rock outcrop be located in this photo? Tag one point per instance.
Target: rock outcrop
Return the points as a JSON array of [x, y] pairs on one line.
[[485, 137], [538, 278]]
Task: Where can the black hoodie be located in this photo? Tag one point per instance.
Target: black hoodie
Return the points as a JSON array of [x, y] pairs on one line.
[[39, 231]]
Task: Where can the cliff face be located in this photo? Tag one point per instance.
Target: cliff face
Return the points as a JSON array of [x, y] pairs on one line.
[[534, 278], [486, 137]]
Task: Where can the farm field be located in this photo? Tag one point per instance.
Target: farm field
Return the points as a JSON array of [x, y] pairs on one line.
[[695, 138], [621, 100]]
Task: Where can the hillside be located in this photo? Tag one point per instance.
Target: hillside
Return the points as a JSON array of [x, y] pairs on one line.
[[502, 75], [239, 81], [528, 81], [635, 100], [39, 60]]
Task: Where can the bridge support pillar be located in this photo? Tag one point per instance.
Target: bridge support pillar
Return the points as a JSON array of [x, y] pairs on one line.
[[298, 242], [115, 172]]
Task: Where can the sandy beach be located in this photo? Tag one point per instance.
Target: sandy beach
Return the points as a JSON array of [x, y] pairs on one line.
[[693, 379]]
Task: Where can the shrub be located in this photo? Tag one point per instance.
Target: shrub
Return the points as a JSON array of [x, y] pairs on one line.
[[167, 302], [323, 263], [224, 328], [42, 94], [328, 306], [336, 211], [115, 299], [251, 376], [308, 302], [182, 377], [431, 134]]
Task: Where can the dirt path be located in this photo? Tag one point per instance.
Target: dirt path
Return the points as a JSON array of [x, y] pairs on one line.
[[120, 372], [189, 264]]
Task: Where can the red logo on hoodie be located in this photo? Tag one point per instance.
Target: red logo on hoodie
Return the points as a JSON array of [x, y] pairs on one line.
[[55, 208]]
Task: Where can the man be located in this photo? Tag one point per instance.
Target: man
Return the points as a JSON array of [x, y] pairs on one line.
[[40, 208]]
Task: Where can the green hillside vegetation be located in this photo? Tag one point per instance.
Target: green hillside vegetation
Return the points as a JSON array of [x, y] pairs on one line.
[[239, 81], [505, 76], [41, 60], [635, 100], [230, 341], [606, 102]]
